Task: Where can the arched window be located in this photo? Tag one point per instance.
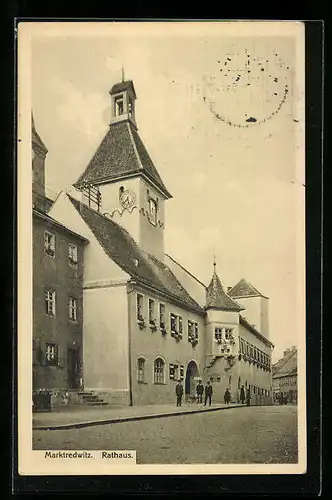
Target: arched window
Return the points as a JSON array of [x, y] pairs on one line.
[[159, 371], [141, 370], [239, 383]]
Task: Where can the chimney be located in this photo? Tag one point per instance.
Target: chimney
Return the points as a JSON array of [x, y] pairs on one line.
[[286, 352], [229, 288]]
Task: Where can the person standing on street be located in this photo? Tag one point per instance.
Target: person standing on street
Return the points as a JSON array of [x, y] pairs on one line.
[[227, 397], [179, 393], [242, 395], [199, 392], [248, 397], [208, 393]]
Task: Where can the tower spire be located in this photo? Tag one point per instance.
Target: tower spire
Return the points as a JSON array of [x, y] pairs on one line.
[[122, 73], [214, 262]]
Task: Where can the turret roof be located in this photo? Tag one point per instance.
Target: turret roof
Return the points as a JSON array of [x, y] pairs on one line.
[[217, 298]]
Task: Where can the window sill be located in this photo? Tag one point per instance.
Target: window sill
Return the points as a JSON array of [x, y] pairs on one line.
[[141, 383], [159, 383]]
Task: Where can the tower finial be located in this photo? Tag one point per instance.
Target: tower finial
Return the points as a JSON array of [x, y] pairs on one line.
[[122, 73], [214, 262]]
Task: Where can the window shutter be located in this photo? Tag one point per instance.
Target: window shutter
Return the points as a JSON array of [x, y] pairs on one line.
[[171, 371], [180, 327], [60, 355], [181, 372]]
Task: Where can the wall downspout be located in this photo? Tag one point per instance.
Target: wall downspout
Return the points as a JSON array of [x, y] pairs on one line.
[[129, 348]]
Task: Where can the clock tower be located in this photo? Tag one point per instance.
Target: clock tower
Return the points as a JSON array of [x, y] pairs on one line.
[[132, 192]]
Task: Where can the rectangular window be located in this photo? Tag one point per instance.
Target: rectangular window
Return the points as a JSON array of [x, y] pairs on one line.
[[72, 309], [119, 109], [50, 302], [228, 333], [173, 323], [139, 305], [72, 254], [162, 315], [247, 348], [190, 331], [152, 319], [49, 243], [242, 347], [171, 371], [218, 334], [181, 372], [52, 351], [176, 372]]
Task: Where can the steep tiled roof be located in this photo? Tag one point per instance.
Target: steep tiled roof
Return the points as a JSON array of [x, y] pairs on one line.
[[244, 289], [124, 251], [35, 139], [286, 365], [216, 296], [121, 153]]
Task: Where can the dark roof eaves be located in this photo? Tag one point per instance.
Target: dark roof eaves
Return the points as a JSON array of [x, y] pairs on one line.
[[135, 173], [173, 298], [45, 216], [253, 330], [221, 308]]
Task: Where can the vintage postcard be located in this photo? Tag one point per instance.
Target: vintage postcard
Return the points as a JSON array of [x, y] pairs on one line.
[[161, 269]]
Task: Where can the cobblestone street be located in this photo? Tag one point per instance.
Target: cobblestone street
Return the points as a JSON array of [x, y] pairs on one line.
[[240, 435]]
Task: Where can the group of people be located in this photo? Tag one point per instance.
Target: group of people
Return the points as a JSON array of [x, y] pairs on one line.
[[208, 392], [200, 390]]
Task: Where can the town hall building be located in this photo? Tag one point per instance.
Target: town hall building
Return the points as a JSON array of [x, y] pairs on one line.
[[147, 322]]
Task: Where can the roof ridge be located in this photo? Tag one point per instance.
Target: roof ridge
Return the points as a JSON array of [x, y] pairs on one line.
[[121, 247], [217, 297], [182, 267], [134, 145]]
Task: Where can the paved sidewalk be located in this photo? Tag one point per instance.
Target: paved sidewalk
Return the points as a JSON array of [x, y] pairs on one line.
[[83, 416]]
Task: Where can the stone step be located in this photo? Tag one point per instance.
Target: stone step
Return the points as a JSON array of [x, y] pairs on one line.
[[96, 403]]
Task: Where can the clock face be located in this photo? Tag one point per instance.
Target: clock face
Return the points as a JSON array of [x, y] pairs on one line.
[[127, 198]]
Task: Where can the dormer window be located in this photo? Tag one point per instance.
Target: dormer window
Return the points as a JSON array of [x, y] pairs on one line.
[[119, 106]]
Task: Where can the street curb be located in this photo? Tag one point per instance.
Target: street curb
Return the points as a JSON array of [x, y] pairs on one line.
[[118, 420]]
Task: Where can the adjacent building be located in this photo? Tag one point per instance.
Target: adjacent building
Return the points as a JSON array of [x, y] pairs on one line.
[[147, 321], [57, 292], [284, 377]]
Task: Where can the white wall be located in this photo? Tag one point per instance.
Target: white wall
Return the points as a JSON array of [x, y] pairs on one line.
[[105, 339], [195, 289], [127, 218]]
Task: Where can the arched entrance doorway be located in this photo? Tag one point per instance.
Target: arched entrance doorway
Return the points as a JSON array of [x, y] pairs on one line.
[[191, 373]]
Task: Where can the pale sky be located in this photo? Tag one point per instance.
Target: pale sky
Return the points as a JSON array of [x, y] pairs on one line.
[[234, 183]]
